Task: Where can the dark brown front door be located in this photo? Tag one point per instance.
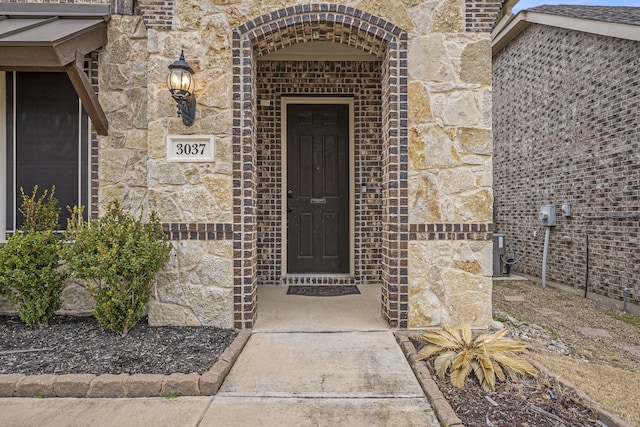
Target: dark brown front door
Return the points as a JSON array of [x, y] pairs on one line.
[[317, 188]]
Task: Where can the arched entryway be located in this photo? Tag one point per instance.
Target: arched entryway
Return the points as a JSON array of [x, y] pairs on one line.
[[379, 110]]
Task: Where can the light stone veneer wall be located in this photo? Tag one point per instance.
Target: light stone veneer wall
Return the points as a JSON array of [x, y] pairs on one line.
[[449, 152], [195, 286], [450, 148]]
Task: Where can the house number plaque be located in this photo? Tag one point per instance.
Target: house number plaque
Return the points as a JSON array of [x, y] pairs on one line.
[[190, 148]]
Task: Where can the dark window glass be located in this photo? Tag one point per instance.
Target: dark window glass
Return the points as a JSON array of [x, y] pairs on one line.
[[51, 142]]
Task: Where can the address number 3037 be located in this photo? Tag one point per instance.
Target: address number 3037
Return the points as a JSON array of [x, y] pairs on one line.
[[190, 148]]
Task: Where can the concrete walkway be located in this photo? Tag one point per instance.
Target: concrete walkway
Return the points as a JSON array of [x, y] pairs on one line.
[[326, 375], [321, 379]]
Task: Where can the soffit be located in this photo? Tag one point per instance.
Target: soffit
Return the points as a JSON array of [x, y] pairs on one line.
[[606, 21]]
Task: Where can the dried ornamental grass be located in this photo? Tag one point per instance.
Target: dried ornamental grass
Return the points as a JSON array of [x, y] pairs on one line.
[[488, 356]]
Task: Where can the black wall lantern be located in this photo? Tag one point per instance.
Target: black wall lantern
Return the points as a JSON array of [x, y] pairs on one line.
[[181, 84]]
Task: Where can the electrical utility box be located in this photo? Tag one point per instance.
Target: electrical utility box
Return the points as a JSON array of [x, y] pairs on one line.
[[499, 249], [547, 215]]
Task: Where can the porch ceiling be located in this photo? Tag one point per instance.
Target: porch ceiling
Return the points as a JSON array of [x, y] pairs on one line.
[[320, 51]]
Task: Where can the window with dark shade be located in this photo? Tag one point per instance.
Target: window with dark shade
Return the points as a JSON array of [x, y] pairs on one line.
[[46, 142]]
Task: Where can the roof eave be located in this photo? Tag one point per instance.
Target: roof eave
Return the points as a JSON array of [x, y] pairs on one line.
[[48, 41], [507, 30], [40, 10], [56, 53], [518, 23]]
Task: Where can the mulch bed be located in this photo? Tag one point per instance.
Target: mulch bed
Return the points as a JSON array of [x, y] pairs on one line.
[[80, 345], [530, 402]]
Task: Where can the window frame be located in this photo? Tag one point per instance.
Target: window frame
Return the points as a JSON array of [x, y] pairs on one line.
[[84, 182]]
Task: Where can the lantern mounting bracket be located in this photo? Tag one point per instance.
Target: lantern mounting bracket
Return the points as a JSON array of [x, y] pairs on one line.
[[186, 105]]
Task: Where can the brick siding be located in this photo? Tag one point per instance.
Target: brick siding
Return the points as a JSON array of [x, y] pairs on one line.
[[360, 79], [334, 23], [91, 68], [566, 129], [480, 15], [157, 14]]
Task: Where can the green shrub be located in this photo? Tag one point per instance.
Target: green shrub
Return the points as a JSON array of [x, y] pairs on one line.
[[40, 214], [30, 273], [117, 255]]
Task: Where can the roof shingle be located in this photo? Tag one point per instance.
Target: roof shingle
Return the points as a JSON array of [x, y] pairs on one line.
[[613, 14]]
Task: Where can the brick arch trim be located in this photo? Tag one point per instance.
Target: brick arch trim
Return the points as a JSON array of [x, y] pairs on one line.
[[339, 24]]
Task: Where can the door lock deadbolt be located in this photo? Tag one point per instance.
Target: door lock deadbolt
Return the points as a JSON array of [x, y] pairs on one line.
[[289, 194]]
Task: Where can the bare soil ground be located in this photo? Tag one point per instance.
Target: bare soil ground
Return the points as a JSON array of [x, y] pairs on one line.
[[551, 322]]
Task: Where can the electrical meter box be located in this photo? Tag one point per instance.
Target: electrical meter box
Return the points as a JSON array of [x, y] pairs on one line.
[[547, 215]]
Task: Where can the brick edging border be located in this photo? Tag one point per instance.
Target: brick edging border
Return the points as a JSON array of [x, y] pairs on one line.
[[125, 385], [445, 413]]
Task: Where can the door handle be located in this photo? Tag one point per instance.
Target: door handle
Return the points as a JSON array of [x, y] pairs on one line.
[[289, 194], [289, 210]]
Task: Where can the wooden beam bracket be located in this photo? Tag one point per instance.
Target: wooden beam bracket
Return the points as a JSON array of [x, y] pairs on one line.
[[88, 97]]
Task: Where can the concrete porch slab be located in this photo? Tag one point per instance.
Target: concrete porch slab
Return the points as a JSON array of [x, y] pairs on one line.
[[328, 365], [510, 278], [279, 312], [273, 412]]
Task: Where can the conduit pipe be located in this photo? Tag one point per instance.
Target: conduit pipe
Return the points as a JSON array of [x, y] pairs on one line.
[[586, 275], [545, 254]]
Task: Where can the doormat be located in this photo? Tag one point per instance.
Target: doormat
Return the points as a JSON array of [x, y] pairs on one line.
[[322, 291]]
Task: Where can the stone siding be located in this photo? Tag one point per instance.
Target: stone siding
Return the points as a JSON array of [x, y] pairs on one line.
[[196, 286], [566, 130], [423, 112], [123, 154], [450, 177]]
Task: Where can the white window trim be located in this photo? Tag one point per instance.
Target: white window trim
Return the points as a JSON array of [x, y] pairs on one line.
[[3, 156]]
